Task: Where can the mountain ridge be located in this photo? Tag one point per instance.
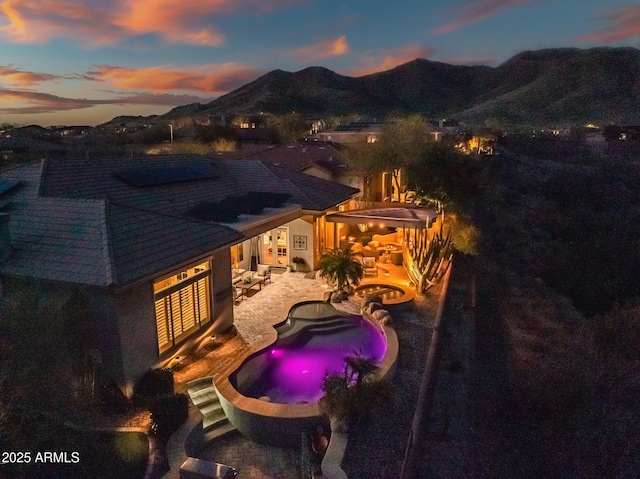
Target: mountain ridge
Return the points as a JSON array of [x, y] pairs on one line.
[[548, 85]]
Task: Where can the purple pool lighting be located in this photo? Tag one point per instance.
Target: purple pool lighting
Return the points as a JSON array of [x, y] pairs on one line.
[[308, 348]]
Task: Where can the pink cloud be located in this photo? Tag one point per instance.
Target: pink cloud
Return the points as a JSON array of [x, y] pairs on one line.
[[29, 101], [101, 22], [24, 78], [476, 11], [388, 59], [624, 22], [328, 48], [211, 79]]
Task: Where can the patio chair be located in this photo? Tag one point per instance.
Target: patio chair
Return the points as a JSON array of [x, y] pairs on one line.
[[370, 267], [237, 294], [263, 272]]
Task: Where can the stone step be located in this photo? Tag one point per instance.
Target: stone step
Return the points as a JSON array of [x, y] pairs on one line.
[[200, 383], [214, 420], [203, 396], [217, 432], [211, 407]]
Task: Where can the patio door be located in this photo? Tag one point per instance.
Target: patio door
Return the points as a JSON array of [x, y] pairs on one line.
[[275, 247]]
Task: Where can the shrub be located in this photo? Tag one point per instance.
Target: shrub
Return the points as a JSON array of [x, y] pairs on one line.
[[153, 384], [168, 413]]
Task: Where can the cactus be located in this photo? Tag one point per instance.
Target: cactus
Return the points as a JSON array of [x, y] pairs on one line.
[[426, 260]]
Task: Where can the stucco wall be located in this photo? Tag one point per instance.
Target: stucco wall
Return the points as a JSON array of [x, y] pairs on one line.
[[138, 337], [302, 227]]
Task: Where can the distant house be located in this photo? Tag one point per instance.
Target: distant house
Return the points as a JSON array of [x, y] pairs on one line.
[[353, 132], [315, 158], [151, 242]]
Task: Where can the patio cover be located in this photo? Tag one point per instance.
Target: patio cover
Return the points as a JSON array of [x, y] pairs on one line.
[[390, 216]]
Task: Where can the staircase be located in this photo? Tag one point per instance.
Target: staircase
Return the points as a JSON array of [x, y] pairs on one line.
[[215, 423]]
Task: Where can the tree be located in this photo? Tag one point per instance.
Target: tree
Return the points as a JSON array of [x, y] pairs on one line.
[[342, 266], [42, 344], [291, 127], [444, 175], [401, 143]]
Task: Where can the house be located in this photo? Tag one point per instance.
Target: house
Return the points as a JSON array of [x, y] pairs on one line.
[[315, 158], [151, 243]]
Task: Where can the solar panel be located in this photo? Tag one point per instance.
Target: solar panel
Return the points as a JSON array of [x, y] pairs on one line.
[[162, 175], [7, 184], [228, 210]]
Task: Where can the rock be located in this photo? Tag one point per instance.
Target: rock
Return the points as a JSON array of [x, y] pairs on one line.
[[339, 296], [379, 314], [373, 307]]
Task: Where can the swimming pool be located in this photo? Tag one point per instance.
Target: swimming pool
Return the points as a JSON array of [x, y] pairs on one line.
[[312, 342], [276, 423]]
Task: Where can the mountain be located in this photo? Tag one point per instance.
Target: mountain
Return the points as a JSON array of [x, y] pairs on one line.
[[551, 85]]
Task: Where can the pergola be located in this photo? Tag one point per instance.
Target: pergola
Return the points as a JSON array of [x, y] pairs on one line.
[[419, 218], [391, 216]]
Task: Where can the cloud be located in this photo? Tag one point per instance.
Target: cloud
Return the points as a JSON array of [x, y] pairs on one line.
[[388, 59], [101, 22], [24, 78], [328, 48], [211, 79], [34, 102], [476, 11], [624, 22]]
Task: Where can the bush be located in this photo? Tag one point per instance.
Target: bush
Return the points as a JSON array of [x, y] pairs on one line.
[[168, 413], [153, 384]]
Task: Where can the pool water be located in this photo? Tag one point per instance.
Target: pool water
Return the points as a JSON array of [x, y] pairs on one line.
[[291, 371], [386, 291]]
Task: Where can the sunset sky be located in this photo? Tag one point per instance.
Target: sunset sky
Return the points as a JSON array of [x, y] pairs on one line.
[[83, 62]]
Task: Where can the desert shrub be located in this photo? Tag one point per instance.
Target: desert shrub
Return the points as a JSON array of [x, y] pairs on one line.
[[153, 384], [465, 237], [168, 413], [350, 395]]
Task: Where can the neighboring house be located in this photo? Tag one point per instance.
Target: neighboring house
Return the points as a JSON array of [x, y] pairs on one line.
[[151, 242], [315, 158], [354, 132]]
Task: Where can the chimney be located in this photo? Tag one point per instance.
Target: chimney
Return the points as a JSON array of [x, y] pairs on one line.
[[5, 237]]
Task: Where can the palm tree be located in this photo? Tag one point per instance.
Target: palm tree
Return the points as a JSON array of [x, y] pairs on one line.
[[342, 266]]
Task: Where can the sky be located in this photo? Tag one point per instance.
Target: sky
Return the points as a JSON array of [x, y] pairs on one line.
[[84, 62]]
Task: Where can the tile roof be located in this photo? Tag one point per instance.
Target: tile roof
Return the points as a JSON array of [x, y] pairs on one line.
[[299, 155], [74, 220]]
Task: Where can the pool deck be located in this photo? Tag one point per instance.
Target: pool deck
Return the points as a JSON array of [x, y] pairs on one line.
[[254, 318]]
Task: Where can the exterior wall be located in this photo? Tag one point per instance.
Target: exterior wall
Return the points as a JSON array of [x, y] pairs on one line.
[[318, 173], [302, 227], [136, 320]]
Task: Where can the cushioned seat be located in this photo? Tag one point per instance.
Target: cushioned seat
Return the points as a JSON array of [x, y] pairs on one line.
[[263, 272], [370, 266], [367, 252]]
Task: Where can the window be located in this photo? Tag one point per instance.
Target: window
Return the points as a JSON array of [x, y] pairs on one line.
[[182, 305]]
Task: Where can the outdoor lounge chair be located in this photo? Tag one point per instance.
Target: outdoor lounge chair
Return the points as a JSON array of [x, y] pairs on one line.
[[370, 266], [263, 272]]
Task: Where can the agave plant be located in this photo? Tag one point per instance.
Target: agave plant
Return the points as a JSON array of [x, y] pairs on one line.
[[342, 266]]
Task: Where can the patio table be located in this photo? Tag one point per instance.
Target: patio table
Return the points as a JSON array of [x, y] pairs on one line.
[[247, 286]]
